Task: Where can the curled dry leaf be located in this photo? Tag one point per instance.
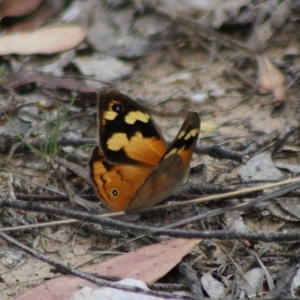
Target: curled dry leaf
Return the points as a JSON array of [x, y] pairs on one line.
[[270, 80], [16, 8], [44, 40]]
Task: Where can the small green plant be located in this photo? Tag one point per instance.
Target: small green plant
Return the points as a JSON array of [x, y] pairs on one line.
[[2, 78], [49, 147], [53, 136]]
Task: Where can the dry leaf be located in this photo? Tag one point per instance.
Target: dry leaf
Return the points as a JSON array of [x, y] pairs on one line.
[[252, 282], [260, 167], [43, 13], [295, 284], [270, 80], [15, 8], [147, 264], [213, 287], [106, 293], [45, 40]]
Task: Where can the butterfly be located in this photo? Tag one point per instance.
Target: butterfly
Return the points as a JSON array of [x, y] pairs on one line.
[[133, 167]]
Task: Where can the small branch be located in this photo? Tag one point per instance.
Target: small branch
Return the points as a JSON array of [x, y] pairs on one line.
[[222, 153], [191, 276], [226, 195], [223, 210], [44, 198], [29, 206], [17, 79], [138, 229]]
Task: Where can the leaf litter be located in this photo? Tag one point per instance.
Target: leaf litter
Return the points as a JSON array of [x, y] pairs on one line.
[[151, 56], [147, 264]]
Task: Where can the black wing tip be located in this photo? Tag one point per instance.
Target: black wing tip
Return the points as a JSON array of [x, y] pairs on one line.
[[192, 119]]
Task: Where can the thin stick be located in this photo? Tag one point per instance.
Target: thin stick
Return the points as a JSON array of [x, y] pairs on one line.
[[139, 229], [225, 195], [175, 204]]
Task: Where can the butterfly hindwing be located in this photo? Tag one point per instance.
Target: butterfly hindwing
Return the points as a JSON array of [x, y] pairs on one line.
[[164, 181], [169, 175], [127, 133], [115, 184]]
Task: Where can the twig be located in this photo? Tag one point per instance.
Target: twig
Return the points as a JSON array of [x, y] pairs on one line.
[[224, 196], [246, 268], [33, 182], [138, 229], [223, 210], [75, 168], [17, 79], [221, 152], [281, 142], [48, 198], [163, 206], [191, 276]]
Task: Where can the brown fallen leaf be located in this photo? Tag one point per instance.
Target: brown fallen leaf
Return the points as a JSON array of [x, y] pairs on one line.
[[149, 264], [43, 13], [270, 80], [45, 40], [16, 8]]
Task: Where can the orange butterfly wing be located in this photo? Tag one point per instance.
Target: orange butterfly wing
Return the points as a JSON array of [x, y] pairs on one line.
[[131, 146], [116, 184], [185, 142], [133, 168], [167, 178], [127, 134]]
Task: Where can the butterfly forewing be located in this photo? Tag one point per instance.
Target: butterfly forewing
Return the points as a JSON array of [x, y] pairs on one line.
[[185, 142], [127, 133]]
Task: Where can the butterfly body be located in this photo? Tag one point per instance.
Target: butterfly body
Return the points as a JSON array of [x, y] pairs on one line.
[[133, 167]]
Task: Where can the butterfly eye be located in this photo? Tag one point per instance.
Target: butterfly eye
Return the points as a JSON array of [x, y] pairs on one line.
[[115, 193], [117, 108]]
